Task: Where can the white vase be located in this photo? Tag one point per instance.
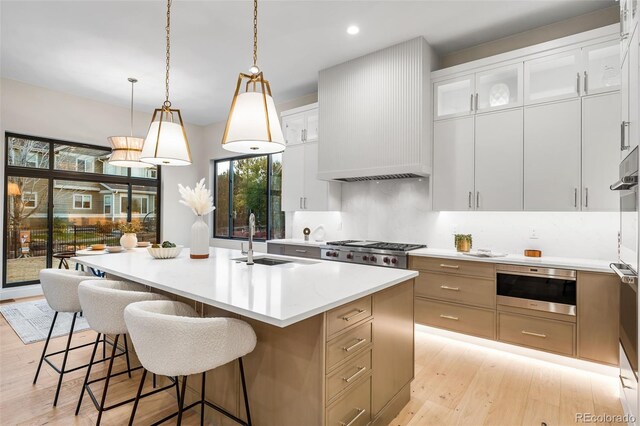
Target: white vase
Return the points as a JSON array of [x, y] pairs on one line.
[[129, 240], [199, 239]]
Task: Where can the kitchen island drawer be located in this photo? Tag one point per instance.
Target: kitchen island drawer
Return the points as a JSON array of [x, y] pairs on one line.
[[347, 344], [302, 251], [459, 289], [354, 408], [464, 319], [342, 317], [548, 335], [453, 266], [348, 374]]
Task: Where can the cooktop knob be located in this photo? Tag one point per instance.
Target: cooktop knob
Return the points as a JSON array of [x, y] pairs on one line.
[[350, 256], [386, 260], [373, 259], [394, 260], [365, 258], [335, 254]]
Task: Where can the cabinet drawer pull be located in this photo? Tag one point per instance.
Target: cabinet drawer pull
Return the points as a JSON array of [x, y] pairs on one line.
[[530, 333], [444, 265], [360, 413], [476, 103], [446, 287], [470, 196], [355, 345], [358, 313], [586, 83], [578, 83], [449, 317], [300, 251], [356, 374], [471, 103], [624, 386]]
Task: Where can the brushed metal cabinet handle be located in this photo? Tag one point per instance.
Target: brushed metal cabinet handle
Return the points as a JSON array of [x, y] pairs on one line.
[[300, 251], [478, 200], [470, 196], [575, 197], [444, 265], [300, 202], [305, 202], [358, 313], [476, 103], [449, 317], [354, 375], [446, 287], [578, 83], [586, 197], [360, 413], [355, 345], [586, 83], [623, 136], [471, 103], [531, 333]]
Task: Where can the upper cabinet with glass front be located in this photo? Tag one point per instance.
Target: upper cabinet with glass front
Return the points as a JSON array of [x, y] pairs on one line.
[[553, 77], [300, 125], [454, 98], [601, 68]]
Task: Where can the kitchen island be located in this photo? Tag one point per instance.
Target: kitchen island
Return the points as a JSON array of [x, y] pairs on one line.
[[335, 340]]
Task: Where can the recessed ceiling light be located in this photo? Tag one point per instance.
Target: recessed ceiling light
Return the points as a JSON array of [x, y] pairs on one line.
[[353, 30]]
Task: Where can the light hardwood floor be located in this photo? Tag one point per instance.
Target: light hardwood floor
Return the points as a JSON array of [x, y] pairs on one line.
[[456, 384]]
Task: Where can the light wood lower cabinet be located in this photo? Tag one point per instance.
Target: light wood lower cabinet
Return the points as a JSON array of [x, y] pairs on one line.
[[464, 319], [353, 409], [458, 289], [453, 266], [539, 333]]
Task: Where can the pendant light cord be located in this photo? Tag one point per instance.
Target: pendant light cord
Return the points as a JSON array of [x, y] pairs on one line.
[[255, 33], [168, 29]]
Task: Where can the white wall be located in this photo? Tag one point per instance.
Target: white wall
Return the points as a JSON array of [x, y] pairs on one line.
[[398, 211], [42, 112]]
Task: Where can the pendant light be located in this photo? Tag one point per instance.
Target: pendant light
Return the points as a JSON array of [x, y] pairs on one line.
[[166, 142], [253, 126], [125, 150]]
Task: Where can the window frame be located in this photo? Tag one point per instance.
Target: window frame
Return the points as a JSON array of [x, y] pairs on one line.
[[86, 162], [141, 196], [82, 199], [106, 197], [268, 194], [49, 173], [35, 199]]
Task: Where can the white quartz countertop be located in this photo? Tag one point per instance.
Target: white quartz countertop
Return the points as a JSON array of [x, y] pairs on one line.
[[592, 265], [279, 295], [299, 242]]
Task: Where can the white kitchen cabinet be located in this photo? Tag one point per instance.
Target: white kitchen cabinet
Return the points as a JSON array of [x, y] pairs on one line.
[[553, 77], [301, 188], [552, 156], [499, 161], [600, 136], [300, 125], [628, 23], [499, 88], [453, 162], [633, 115], [601, 68], [454, 98]]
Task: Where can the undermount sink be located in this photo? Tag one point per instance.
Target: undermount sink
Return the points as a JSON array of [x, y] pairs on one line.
[[267, 261]]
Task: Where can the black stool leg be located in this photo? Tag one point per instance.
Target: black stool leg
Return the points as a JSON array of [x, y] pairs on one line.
[[135, 404], [86, 377], [126, 354], [244, 391], [204, 376], [181, 403], [154, 383], [46, 344], [106, 382], [177, 389], [64, 360]]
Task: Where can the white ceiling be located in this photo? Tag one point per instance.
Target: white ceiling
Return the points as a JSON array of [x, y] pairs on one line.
[[89, 48]]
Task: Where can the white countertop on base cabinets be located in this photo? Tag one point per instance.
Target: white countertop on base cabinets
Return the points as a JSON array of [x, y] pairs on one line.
[[278, 295], [592, 265]]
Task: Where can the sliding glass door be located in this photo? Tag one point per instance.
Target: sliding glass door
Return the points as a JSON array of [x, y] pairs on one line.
[[53, 208]]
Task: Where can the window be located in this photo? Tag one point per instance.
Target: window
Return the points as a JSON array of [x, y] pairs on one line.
[[30, 200], [84, 165], [108, 204], [139, 204], [82, 201], [246, 185]]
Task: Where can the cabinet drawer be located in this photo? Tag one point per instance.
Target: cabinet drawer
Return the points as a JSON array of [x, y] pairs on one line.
[[343, 316], [354, 408], [475, 321], [348, 374], [302, 251], [348, 344], [453, 288], [453, 266], [539, 333], [274, 248]]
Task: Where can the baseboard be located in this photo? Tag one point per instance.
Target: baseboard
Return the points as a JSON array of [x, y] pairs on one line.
[[19, 292], [539, 356]]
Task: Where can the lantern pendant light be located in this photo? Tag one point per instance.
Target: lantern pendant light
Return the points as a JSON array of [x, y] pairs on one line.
[[166, 143], [125, 150], [253, 126]]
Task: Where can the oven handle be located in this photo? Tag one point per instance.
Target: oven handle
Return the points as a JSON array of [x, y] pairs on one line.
[[625, 278], [626, 182]]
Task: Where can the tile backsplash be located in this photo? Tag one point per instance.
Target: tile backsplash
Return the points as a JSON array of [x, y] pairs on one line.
[[399, 211]]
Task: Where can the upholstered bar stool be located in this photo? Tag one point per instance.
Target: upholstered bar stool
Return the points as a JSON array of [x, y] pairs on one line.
[[60, 288], [103, 303], [172, 340]]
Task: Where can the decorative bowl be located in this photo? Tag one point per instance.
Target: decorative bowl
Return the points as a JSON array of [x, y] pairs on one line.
[[144, 244], [98, 246], [165, 252], [114, 249]]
